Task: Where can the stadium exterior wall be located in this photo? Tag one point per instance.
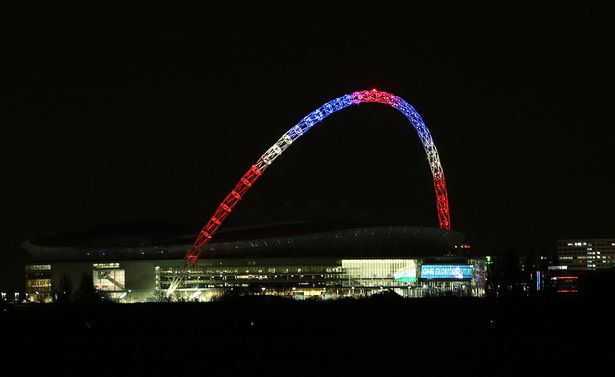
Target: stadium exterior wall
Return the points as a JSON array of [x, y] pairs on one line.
[[302, 262], [299, 278]]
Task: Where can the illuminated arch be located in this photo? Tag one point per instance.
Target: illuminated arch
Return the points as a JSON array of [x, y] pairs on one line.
[[256, 170]]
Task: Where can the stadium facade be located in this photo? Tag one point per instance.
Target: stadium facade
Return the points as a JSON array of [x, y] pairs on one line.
[[298, 260]]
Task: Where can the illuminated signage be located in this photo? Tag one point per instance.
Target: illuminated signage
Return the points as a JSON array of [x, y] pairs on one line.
[[558, 268], [406, 276], [446, 271]]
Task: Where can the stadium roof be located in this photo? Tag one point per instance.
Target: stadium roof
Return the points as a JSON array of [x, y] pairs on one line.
[[164, 241]]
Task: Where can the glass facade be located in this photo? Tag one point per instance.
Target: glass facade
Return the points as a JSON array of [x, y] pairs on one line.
[[379, 272], [249, 276], [298, 278], [109, 280], [38, 283], [322, 278]]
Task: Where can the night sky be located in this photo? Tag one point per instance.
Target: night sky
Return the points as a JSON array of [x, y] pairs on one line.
[[154, 118]]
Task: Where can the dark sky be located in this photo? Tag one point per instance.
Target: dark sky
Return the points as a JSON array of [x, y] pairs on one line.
[[155, 117]]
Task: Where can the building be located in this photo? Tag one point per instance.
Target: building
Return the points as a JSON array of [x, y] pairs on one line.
[[299, 260], [586, 254]]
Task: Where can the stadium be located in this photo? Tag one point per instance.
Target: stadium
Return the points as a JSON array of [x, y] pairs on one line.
[[301, 260]]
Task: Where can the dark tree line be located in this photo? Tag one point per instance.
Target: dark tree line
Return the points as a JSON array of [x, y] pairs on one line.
[[85, 293]]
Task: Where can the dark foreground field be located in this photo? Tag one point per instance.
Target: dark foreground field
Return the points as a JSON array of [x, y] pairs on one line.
[[264, 336]]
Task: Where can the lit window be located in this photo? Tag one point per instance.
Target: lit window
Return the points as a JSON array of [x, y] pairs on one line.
[[38, 283], [105, 265], [39, 267]]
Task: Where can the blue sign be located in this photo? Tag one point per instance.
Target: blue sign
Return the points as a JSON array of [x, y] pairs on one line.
[[446, 271]]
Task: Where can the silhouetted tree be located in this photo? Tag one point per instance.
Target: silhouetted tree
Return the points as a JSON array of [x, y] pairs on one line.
[[254, 289], [233, 293], [159, 296], [86, 293], [386, 296], [64, 289], [507, 267]]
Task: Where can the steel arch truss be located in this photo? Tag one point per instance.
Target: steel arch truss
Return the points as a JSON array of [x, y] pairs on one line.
[[316, 116]]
